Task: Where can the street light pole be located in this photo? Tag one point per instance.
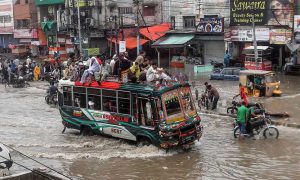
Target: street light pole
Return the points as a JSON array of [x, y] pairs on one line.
[[255, 43], [79, 28]]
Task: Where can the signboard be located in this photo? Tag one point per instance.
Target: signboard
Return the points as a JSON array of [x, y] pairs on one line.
[[93, 51], [36, 43], [25, 33], [211, 25], [122, 46], [82, 3], [297, 23], [280, 36], [245, 34], [265, 12]]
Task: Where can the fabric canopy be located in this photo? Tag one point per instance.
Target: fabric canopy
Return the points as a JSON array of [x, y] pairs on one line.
[[131, 42], [48, 25], [155, 32], [174, 40]]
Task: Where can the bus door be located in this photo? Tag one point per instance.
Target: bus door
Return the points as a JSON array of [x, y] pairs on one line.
[[146, 113]]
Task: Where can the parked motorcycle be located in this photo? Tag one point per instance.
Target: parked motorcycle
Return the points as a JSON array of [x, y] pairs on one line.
[[203, 101], [17, 82], [217, 66], [262, 124], [235, 104]]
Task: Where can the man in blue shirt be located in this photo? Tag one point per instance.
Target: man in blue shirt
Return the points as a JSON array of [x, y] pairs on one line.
[[226, 59]]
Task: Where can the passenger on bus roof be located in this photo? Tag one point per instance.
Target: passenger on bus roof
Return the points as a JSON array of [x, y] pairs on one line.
[[93, 67]]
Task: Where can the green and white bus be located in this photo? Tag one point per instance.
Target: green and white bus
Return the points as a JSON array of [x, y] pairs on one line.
[[165, 116]]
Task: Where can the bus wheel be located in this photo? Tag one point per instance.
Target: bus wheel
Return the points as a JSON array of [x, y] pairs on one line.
[[143, 141], [86, 131]]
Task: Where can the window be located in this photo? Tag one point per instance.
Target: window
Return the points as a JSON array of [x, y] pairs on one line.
[[227, 72], [67, 96], [149, 11], [124, 102], [125, 10], [173, 22], [236, 72], [109, 101], [26, 1], [189, 21], [94, 96], [5, 19], [211, 16], [173, 106], [187, 101], [79, 97]]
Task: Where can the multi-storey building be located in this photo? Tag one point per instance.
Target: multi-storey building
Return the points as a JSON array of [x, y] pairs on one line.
[[25, 25], [6, 24]]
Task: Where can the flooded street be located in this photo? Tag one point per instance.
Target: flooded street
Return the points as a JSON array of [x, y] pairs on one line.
[[28, 124]]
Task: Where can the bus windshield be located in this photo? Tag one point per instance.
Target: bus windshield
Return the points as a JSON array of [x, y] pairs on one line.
[[187, 101], [172, 106]]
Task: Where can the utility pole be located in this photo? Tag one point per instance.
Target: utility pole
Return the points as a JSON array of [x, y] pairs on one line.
[[137, 3], [79, 28], [255, 43]]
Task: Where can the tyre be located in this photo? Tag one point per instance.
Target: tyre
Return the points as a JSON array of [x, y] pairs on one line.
[[47, 99], [236, 132], [271, 133], [27, 84], [143, 141], [232, 110], [86, 131]]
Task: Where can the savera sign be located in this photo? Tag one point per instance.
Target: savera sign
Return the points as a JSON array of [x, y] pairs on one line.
[[242, 11], [265, 12]]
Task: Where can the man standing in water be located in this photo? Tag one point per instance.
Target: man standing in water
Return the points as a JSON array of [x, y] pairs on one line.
[[242, 113], [226, 59]]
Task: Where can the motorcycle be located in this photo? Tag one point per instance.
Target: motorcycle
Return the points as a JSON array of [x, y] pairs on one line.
[[17, 82], [217, 66], [51, 99], [5, 158], [261, 124], [203, 101], [235, 104]]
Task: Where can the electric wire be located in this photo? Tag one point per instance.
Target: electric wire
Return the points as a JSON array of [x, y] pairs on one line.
[[36, 161]]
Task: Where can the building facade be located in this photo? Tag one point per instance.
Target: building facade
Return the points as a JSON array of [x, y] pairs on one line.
[[6, 25]]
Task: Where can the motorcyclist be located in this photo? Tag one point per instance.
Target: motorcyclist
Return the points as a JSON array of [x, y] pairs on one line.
[[52, 91], [254, 119]]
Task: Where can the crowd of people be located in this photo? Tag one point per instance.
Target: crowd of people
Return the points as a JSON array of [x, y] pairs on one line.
[[138, 71], [15, 69]]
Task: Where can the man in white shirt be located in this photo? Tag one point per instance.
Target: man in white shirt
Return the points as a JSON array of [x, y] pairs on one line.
[[151, 73], [28, 61]]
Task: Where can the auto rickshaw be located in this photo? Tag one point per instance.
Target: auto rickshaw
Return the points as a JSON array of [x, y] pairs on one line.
[[260, 83]]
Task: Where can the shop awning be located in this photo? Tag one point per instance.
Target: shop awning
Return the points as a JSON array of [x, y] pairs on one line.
[[131, 42], [48, 2], [155, 32], [174, 40]]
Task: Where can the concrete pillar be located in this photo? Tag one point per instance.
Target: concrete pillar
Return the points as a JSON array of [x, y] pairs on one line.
[[280, 57]]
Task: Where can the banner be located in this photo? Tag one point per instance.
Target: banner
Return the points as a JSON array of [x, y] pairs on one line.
[[265, 12], [297, 23], [25, 33], [211, 25], [280, 36], [245, 34]]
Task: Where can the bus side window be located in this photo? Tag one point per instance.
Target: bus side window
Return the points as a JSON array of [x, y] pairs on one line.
[[79, 97], [134, 108], [124, 102], [67, 95], [109, 100], [94, 96]]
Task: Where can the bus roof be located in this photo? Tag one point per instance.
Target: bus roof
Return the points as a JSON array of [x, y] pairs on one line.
[[255, 72], [146, 89]]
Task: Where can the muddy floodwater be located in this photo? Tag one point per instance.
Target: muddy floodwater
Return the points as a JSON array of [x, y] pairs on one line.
[[34, 128]]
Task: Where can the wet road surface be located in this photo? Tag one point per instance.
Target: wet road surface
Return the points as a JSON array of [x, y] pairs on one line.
[[34, 128]]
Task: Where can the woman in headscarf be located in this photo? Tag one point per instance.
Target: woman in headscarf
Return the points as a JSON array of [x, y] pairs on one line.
[[93, 67], [37, 72]]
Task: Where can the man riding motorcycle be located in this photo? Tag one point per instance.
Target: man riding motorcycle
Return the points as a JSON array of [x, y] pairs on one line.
[[52, 91]]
